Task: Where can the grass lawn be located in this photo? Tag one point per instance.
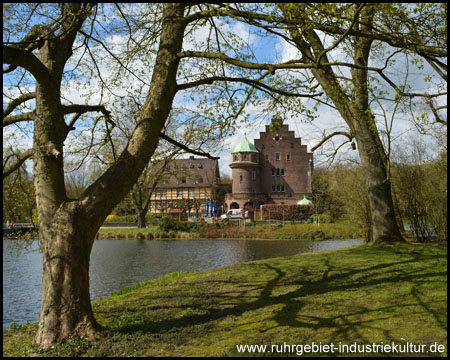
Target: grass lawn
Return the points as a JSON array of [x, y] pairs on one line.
[[255, 230], [367, 294]]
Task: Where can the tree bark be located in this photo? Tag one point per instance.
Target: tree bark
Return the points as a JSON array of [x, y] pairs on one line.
[[356, 113], [66, 306], [67, 227]]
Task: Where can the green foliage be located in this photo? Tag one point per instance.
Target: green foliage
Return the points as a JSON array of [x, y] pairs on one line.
[[421, 188], [130, 218], [18, 197], [113, 218], [168, 223], [350, 192], [325, 200]]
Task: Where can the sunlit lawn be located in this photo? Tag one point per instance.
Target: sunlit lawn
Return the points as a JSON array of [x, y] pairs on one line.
[[364, 294]]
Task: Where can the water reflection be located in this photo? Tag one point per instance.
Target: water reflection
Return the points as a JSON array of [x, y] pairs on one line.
[[116, 264]]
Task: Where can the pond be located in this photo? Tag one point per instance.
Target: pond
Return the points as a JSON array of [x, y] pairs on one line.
[[116, 264]]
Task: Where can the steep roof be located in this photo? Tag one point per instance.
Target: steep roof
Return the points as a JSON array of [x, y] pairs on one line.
[[192, 172], [245, 146], [304, 201]]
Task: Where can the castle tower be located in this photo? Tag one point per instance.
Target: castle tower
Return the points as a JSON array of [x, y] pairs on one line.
[[276, 169], [245, 168]]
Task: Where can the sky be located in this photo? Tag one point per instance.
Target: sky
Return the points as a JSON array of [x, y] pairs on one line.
[[265, 49]]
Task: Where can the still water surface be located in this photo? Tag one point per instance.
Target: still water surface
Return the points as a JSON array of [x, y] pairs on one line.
[[116, 264]]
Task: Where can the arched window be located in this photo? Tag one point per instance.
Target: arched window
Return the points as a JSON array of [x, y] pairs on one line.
[[234, 206]]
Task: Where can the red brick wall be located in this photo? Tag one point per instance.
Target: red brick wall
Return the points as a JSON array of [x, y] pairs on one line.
[[293, 158]]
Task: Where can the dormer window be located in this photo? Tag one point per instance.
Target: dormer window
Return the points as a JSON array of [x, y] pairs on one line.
[[245, 157]]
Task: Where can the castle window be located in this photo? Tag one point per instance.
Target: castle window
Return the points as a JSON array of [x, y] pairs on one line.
[[277, 156], [240, 179], [245, 157], [278, 188], [267, 157], [262, 146], [278, 172], [235, 158], [288, 157], [253, 175], [292, 145]]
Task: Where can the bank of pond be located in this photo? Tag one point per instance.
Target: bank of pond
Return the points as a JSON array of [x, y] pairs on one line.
[[237, 230], [365, 295]]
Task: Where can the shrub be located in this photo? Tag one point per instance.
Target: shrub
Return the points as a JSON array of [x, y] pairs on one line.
[[288, 212], [132, 218], [168, 223], [113, 218]]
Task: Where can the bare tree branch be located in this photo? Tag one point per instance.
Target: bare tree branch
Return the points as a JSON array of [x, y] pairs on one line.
[[21, 158], [16, 102], [328, 137], [435, 112], [81, 109], [257, 84], [184, 147], [27, 60], [28, 116]]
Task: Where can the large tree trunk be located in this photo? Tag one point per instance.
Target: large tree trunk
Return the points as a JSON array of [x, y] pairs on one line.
[[356, 112], [373, 157], [384, 224], [67, 227], [66, 306]]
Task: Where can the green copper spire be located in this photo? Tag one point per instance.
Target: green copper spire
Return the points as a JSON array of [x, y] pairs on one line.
[[304, 201], [245, 146]]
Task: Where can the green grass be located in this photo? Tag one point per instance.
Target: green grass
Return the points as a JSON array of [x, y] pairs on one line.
[[368, 294], [275, 231], [125, 233]]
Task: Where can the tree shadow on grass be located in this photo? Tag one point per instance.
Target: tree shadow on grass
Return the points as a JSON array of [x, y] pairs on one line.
[[228, 298]]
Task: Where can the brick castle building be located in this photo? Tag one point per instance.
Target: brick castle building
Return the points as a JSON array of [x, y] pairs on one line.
[[276, 169]]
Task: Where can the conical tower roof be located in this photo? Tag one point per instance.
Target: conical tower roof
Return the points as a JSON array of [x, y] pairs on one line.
[[245, 146], [304, 201]]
